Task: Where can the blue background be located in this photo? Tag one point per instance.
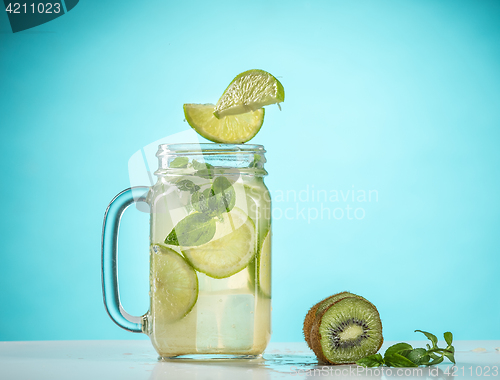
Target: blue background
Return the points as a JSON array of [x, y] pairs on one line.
[[401, 97]]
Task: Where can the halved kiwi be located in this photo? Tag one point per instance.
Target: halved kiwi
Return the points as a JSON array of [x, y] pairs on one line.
[[318, 309], [346, 331], [311, 314]]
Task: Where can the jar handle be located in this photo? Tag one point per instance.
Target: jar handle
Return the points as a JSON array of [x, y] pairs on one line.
[[109, 246]]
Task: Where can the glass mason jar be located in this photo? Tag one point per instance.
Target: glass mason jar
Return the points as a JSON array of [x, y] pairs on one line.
[[210, 252]]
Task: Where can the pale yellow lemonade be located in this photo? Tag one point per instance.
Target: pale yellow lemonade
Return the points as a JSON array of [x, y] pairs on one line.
[[231, 315], [210, 232]]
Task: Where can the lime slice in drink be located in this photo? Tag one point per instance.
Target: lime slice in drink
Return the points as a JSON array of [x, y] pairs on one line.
[[259, 209], [249, 91], [230, 250], [229, 130], [175, 283], [260, 268], [264, 266]]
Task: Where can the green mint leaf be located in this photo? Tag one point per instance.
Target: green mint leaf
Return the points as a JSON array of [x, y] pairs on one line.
[[224, 194], [448, 337], [202, 169], [204, 173], [187, 185], [439, 350], [432, 355], [435, 361], [195, 229], [216, 200], [220, 184], [201, 165], [430, 336], [405, 353], [171, 239], [418, 356], [450, 356], [398, 348], [439, 359], [213, 208], [371, 361], [179, 162], [200, 201], [398, 360], [198, 165], [255, 162]]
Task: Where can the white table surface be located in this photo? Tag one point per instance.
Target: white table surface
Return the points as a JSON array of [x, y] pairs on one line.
[[74, 360]]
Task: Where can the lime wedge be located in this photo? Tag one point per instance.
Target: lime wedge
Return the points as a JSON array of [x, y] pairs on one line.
[[229, 130], [231, 249], [174, 283], [249, 91]]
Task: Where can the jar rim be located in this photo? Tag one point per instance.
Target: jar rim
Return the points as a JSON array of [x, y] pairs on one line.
[[208, 148]]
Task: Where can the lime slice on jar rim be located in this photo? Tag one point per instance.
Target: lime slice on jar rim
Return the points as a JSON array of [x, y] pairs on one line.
[[236, 129]]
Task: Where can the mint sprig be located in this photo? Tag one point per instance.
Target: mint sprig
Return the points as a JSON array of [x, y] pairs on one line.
[[199, 228], [404, 355]]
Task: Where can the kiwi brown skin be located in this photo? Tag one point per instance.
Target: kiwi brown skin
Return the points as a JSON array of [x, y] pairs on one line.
[[308, 322], [311, 316], [315, 336]]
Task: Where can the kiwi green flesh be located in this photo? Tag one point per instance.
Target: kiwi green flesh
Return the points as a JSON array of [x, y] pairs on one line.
[[311, 315], [349, 330], [331, 300]]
